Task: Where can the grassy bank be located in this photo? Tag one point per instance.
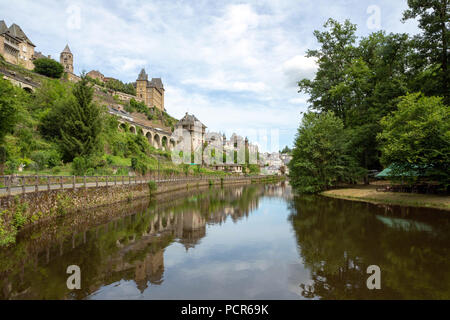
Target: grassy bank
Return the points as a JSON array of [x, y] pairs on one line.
[[370, 194]]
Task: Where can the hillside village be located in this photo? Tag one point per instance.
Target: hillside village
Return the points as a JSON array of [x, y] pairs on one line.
[[152, 121]]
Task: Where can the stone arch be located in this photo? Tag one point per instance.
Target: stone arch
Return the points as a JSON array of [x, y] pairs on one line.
[[28, 89], [165, 143], [149, 137], [156, 141], [123, 127], [133, 129], [140, 131]]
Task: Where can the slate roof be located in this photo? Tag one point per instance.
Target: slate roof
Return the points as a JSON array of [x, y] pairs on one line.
[[189, 119], [15, 31], [156, 83]]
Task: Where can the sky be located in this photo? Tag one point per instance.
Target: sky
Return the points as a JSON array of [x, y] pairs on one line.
[[234, 64]]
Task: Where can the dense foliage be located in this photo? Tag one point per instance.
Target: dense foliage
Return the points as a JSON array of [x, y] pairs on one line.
[[81, 123], [48, 67], [321, 154], [365, 80], [416, 137], [116, 85]]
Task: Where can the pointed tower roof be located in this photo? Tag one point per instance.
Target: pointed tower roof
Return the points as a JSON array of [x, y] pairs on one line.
[[67, 49], [142, 75]]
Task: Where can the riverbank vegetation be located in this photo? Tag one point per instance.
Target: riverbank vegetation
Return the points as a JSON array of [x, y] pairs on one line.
[[375, 102]]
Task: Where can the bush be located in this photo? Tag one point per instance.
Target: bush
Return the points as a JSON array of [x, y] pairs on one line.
[[8, 232], [122, 172], [47, 158], [79, 166], [48, 67], [56, 170]]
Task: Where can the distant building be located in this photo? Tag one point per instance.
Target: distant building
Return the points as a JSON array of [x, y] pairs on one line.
[[15, 46], [66, 59], [195, 128], [97, 75], [228, 167], [151, 92]]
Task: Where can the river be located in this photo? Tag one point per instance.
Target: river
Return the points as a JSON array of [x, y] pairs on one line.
[[251, 242]]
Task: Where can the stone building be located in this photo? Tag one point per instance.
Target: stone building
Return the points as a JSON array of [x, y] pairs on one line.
[[97, 75], [15, 46], [189, 127], [151, 92]]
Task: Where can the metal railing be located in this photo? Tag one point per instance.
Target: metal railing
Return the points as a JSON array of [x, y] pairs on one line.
[[34, 183]]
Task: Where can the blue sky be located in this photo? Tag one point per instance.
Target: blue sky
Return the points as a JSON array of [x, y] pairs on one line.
[[234, 64]]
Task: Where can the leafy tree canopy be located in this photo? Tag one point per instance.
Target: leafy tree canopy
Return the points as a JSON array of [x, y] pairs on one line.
[[321, 157], [48, 67], [416, 137]]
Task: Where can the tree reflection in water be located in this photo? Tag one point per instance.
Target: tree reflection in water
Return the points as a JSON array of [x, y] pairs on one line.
[[339, 239], [129, 248]]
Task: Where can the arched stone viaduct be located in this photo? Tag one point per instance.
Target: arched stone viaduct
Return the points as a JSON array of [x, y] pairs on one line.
[[157, 138]]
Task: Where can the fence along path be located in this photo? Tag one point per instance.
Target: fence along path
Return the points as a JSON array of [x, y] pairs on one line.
[[13, 184]]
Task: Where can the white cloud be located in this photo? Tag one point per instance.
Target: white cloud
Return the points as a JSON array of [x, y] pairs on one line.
[[299, 67]]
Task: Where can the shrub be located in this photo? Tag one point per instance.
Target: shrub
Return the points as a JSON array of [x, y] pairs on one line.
[[63, 203], [48, 67], [7, 231], [79, 166], [56, 170]]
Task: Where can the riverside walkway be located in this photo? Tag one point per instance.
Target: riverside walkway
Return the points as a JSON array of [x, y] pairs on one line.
[[13, 185]]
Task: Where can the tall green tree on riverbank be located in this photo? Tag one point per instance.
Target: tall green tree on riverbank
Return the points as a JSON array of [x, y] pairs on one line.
[[431, 47], [359, 82], [321, 157], [82, 125], [416, 137]]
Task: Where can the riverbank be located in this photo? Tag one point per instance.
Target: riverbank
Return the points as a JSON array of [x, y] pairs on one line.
[[370, 194]]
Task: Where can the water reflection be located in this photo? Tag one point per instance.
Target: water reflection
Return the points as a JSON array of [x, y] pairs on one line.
[[252, 242], [338, 240], [130, 248]]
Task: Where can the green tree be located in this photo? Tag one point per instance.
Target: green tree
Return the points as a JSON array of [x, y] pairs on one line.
[[359, 82], [334, 56], [416, 137], [432, 45], [9, 107], [48, 67], [320, 158], [82, 125], [286, 150]]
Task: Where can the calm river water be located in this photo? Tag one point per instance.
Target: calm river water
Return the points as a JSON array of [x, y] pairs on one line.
[[252, 242]]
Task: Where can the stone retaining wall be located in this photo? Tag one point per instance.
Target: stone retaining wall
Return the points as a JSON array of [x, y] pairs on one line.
[[43, 205]]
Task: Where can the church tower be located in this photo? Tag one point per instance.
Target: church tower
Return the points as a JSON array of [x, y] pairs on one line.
[[66, 59]]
